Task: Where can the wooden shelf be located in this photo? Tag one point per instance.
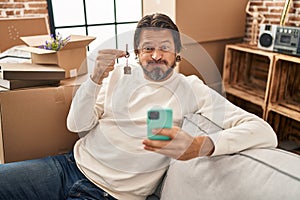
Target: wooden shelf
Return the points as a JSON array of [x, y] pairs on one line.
[[283, 110], [285, 86], [243, 93], [247, 73], [244, 47], [256, 78], [288, 58]]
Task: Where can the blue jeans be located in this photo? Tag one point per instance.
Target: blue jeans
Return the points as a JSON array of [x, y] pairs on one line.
[[51, 178]]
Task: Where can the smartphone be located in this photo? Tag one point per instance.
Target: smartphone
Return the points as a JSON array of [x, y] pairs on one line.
[[159, 118]]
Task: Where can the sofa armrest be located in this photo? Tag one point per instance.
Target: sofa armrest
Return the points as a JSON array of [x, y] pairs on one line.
[[252, 174]]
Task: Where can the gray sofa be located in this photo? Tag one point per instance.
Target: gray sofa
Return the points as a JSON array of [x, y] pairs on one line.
[[255, 174]]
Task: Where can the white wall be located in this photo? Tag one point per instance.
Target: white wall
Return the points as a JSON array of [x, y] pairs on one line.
[[162, 6]]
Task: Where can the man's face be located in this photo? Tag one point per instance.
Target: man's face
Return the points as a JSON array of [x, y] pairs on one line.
[[157, 54]]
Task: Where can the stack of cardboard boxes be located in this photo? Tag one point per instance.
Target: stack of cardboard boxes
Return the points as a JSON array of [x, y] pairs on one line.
[[33, 120]]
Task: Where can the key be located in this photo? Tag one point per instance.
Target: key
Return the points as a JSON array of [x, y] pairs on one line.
[[127, 68]]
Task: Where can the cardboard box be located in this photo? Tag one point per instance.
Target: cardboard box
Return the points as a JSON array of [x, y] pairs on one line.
[[11, 29], [29, 71], [33, 122], [72, 57]]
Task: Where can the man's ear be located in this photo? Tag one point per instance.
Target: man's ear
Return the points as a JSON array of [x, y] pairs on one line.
[[136, 51]]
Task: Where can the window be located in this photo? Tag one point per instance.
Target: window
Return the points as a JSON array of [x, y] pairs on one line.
[[107, 20]]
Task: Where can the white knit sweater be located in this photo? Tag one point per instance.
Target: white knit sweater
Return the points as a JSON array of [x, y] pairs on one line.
[[112, 156]]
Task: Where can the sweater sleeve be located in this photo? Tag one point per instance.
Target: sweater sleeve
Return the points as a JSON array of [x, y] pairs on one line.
[[241, 129], [86, 107]]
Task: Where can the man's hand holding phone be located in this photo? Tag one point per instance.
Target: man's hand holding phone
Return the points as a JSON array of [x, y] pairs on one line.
[[172, 141]]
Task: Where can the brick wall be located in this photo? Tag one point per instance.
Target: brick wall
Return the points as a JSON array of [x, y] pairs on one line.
[[23, 8], [272, 9]]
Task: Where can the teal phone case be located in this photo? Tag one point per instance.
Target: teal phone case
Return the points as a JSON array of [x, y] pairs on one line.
[[159, 118]]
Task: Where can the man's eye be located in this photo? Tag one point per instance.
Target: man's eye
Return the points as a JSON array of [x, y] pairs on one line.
[[165, 48], [148, 49]]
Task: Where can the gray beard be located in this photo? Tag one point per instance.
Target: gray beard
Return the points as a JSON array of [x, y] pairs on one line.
[[157, 74]]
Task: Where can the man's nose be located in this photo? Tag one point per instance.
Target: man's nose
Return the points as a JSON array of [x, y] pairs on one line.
[[156, 54]]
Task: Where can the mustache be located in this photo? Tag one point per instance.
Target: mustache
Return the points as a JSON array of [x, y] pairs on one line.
[[153, 62]]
